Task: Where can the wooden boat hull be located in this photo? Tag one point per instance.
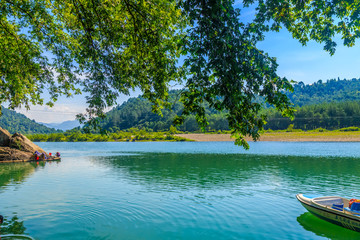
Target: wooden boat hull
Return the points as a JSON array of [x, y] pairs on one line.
[[31, 160], [341, 218], [49, 159]]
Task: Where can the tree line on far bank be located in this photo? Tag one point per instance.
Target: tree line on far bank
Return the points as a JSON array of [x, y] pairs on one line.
[[328, 116], [331, 104]]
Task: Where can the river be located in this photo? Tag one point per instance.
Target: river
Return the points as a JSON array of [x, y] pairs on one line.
[[177, 190]]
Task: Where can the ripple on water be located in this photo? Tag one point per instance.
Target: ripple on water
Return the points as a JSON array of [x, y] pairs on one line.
[[16, 237]]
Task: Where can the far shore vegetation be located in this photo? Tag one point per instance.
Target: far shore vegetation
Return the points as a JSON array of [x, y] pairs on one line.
[[131, 135], [135, 135]]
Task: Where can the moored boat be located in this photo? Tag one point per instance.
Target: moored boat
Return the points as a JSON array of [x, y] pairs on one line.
[[48, 159], [334, 209], [43, 156]]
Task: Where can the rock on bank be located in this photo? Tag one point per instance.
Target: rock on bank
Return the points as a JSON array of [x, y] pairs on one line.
[[16, 147]]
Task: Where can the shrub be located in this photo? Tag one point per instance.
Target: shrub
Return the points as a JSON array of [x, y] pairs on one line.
[[320, 130], [349, 129]]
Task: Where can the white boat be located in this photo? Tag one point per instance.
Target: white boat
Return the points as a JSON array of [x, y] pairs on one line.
[[333, 209]]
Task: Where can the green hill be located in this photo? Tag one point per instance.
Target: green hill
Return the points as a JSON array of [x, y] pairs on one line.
[[136, 112], [17, 122], [325, 92]]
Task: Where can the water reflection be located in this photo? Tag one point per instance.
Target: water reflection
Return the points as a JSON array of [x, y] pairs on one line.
[[180, 170], [12, 226], [13, 229], [15, 174], [331, 175], [325, 229]]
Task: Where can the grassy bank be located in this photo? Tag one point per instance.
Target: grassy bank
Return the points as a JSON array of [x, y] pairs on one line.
[[312, 136], [341, 135]]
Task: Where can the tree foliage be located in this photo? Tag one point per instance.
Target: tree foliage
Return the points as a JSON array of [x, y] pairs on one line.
[[226, 69], [107, 47], [311, 20]]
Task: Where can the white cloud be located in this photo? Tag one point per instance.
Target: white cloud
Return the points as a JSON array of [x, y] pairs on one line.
[[59, 113], [65, 109]]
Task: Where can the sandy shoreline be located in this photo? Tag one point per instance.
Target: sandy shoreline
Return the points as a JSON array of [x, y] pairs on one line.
[[281, 137]]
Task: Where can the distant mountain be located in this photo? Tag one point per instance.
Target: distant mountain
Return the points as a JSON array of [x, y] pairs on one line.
[[17, 122], [64, 126]]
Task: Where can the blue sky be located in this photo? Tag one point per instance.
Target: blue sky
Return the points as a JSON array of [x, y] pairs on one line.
[[311, 63], [296, 62]]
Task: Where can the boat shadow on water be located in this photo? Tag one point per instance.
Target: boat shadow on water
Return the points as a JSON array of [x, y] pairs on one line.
[[325, 229], [13, 229]]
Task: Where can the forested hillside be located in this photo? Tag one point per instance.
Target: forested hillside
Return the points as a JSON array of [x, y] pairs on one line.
[[312, 102], [136, 112], [16, 122], [325, 92]]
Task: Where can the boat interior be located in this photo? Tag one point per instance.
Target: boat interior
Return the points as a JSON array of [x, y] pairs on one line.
[[334, 202]]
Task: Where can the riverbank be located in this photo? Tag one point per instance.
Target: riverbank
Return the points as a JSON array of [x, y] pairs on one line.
[[141, 135], [282, 137]]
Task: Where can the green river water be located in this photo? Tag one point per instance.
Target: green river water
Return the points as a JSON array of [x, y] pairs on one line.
[[190, 190]]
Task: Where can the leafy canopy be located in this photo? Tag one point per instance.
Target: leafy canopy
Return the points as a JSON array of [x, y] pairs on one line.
[[107, 47]]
